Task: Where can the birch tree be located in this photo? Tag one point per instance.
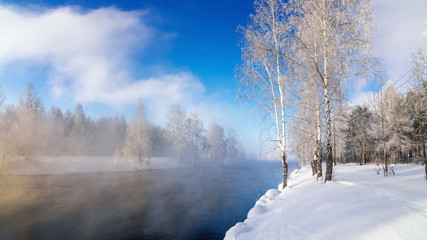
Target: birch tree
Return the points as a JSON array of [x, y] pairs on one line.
[[418, 99], [306, 128], [265, 74], [381, 125], [339, 124], [335, 40]]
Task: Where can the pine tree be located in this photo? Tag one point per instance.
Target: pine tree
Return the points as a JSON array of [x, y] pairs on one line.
[[357, 135]]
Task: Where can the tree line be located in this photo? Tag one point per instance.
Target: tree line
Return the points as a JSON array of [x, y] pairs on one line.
[[393, 128], [390, 128], [29, 130], [297, 56]]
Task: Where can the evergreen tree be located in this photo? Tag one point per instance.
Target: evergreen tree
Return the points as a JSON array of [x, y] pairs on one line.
[[358, 140]]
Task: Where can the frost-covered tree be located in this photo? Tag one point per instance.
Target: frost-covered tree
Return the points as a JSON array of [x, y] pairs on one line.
[[26, 132], [233, 147], [392, 125], [325, 42], [339, 124], [334, 39], [215, 138], [417, 100], [137, 145], [54, 132], [306, 128], [397, 122], [265, 76], [162, 145], [402, 128], [381, 126], [109, 135], [79, 130], [196, 135], [178, 130]]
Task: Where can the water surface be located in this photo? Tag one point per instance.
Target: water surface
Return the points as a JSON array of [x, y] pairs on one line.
[[186, 203]]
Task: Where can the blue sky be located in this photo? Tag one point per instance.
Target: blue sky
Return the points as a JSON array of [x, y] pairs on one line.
[[105, 54], [196, 38]]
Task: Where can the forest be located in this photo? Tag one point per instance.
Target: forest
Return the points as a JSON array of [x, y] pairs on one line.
[[388, 129], [300, 60], [29, 130]]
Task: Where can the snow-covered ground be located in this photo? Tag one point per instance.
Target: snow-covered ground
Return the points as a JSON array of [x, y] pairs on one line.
[[79, 164], [357, 204]]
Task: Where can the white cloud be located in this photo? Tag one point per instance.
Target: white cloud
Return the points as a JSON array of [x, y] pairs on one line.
[[88, 54], [88, 57], [400, 25], [362, 98]]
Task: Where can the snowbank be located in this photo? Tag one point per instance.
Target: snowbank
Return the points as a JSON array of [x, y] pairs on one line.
[[79, 164], [358, 204]]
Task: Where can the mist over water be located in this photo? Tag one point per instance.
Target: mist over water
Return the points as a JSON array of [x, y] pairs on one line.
[[180, 203]]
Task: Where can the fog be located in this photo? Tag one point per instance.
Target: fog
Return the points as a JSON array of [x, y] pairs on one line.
[[30, 131], [187, 203], [65, 174]]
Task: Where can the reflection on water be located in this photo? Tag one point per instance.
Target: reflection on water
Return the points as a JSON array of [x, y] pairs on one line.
[[199, 203]]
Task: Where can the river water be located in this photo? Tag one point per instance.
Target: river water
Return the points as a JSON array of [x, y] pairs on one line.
[[185, 203]]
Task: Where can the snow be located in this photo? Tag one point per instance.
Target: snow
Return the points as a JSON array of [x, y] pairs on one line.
[[79, 164], [357, 204]]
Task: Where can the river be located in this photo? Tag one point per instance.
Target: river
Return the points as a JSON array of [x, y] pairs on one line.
[[183, 203]]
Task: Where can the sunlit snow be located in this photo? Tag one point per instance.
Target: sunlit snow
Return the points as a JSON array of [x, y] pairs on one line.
[[357, 204]]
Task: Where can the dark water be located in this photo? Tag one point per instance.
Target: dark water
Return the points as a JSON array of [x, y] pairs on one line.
[[199, 203]]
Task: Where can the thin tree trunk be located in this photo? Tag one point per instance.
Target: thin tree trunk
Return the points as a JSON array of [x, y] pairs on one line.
[[423, 152], [418, 152], [318, 141], [385, 164], [281, 130], [285, 171], [394, 156], [313, 166], [364, 153], [406, 157], [329, 160], [335, 148]]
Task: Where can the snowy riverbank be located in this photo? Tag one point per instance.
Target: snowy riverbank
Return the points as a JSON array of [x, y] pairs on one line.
[[358, 204]]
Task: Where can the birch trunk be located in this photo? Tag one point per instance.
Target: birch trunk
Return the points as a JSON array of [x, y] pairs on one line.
[[285, 171], [318, 141], [329, 160], [281, 130]]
